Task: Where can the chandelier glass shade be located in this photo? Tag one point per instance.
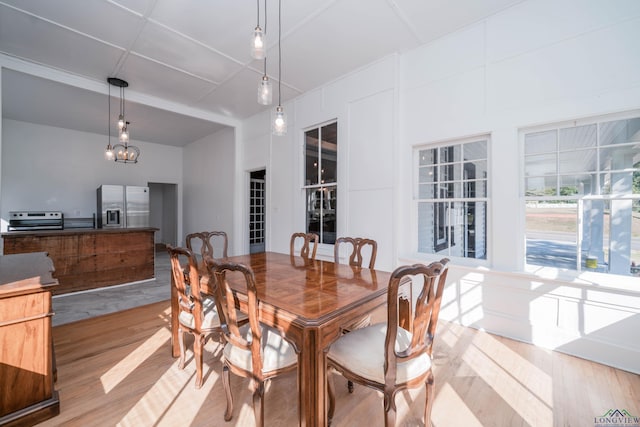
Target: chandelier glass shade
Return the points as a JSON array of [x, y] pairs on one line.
[[123, 152]]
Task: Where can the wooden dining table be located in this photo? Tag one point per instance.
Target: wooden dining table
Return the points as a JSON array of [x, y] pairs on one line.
[[309, 301]]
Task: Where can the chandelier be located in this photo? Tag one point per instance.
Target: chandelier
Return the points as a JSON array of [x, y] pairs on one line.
[[122, 152]]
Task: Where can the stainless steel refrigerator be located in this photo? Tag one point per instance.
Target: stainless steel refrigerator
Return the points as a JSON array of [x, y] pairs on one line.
[[121, 206]]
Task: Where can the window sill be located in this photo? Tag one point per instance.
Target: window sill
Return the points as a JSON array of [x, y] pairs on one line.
[[589, 280]]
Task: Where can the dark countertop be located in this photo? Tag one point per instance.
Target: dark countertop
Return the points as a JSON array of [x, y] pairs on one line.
[[25, 273], [72, 231]]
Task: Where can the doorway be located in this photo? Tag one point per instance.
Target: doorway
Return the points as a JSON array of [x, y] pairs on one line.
[[163, 213], [257, 211]]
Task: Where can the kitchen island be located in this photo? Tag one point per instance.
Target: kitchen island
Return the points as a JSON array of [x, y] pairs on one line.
[[90, 258]]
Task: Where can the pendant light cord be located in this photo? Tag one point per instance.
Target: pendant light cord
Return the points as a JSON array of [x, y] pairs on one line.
[[265, 30], [122, 101], [109, 116], [279, 50], [258, 16]]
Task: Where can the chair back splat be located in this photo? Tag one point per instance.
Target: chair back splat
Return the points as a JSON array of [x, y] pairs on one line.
[[308, 240], [357, 245], [205, 239]]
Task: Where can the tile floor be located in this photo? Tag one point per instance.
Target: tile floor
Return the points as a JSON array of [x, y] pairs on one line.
[[83, 305]]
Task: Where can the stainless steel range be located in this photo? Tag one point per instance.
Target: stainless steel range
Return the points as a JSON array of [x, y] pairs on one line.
[[40, 220]]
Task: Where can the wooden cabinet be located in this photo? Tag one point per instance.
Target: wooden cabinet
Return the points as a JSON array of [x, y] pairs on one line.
[[27, 394], [88, 259]]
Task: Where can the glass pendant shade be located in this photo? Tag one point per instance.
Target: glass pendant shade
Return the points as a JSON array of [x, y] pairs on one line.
[[265, 91], [279, 123], [124, 135], [120, 121], [258, 43], [108, 153]]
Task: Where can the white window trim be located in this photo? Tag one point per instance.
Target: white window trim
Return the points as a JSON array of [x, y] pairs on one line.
[[597, 279], [426, 257]]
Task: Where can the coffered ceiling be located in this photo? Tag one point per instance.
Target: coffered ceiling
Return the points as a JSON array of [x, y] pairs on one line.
[[188, 63]]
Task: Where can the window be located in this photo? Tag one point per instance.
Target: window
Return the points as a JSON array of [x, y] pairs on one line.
[[321, 166], [582, 194], [452, 199]]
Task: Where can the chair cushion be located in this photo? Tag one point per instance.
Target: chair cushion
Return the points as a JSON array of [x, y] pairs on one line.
[[362, 352], [277, 353], [210, 315]]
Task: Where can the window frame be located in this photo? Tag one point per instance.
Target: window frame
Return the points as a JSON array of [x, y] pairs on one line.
[[449, 205], [330, 201], [578, 199]]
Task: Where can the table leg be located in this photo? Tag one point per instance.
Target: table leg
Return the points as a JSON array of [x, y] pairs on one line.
[[312, 380]]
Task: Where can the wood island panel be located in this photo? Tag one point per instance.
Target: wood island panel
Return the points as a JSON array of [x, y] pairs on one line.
[[89, 259]]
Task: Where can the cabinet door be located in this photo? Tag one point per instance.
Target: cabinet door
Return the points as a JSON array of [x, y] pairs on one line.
[[25, 351]]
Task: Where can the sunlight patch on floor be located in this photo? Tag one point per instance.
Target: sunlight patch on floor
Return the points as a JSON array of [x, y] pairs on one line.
[[450, 410], [507, 373], [449, 336], [126, 366], [166, 399]]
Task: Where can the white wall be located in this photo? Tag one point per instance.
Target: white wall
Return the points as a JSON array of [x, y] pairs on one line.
[[364, 105], [50, 168], [537, 62], [209, 185]]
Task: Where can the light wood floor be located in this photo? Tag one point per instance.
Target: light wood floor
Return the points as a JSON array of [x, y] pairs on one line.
[[117, 370]]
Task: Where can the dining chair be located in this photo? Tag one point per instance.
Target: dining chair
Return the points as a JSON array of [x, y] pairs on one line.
[[355, 256], [197, 313], [199, 240], [307, 240], [387, 357], [356, 245], [213, 236], [253, 351], [206, 241]]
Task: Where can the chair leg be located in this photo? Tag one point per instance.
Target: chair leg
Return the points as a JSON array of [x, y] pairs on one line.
[[228, 413], [198, 343], [258, 403], [332, 397], [428, 404], [389, 410], [182, 350]]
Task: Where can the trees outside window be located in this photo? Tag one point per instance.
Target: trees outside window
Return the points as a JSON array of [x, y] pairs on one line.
[[582, 194]]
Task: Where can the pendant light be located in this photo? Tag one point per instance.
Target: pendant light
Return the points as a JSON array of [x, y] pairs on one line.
[[279, 123], [124, 152], [258, 42], [265, 90], [108, 153]]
